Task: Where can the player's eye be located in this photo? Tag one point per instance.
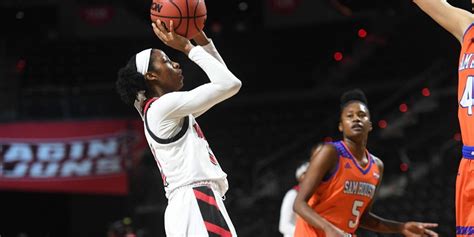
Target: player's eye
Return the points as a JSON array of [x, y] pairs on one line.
[[166, 60]]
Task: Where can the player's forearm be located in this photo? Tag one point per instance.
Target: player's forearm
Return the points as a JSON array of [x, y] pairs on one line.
[[218, 74], [211, 49], [310, 216], [377, 224], [201, 38]]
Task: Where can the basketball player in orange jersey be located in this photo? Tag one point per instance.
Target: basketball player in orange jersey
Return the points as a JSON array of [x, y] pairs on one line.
[[459, 23], [336, 195]]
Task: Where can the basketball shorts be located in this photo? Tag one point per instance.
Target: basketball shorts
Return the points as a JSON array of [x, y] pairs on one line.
[[465, 194], [197, 212]]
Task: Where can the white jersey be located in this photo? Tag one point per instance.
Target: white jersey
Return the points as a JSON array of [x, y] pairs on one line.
[[187, 160], [175, 139], [287, 215]]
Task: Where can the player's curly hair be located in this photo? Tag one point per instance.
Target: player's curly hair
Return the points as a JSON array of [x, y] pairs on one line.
[[353, 95], [129, 82]]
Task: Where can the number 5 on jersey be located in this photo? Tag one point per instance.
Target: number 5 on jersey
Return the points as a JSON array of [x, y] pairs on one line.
[[466, 99], [356, 213]]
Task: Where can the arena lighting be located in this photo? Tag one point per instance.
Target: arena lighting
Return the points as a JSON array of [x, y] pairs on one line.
[[403, 108], [382, 123], [425, 92], [20, 15], [404, 167], [20, 65], [457, 137], [338, 56], [216, 27], [243, 6], [362, 33]]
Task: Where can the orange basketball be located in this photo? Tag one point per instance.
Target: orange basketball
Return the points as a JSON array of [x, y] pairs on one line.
[[188, 16]]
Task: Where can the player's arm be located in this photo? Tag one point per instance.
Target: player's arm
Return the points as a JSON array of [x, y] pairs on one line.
[[223, 84], [375, 223], [322, 163], [453, 19], [286, 225], [208, 45]]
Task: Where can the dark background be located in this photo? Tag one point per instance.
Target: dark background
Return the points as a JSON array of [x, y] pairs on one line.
[[56, 65]]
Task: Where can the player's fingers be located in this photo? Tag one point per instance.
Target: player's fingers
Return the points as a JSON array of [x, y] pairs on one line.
[[430, 225], [431, 233], [159, 30], [171, 26], [160, 35], [171, 32], [161, 26], [155, 28]]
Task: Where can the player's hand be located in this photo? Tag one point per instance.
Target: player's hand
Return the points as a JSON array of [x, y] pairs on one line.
[[201, 38], [336, 232], [171, 38], [418, 229]]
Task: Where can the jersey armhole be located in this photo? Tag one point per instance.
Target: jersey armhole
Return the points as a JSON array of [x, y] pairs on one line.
[[332, 172], [466, 31], [176, 137]]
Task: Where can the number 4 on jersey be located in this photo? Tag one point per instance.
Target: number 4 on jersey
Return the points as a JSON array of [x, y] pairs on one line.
[[466, 99]]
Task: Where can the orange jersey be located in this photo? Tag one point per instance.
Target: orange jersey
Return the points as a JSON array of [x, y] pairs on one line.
[[465, 88], [343, 195]]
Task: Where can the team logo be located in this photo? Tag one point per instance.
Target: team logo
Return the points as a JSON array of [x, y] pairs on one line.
[[376, 175]]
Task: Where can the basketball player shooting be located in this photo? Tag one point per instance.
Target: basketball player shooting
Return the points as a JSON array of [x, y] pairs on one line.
[[459, 23], [193, 179]]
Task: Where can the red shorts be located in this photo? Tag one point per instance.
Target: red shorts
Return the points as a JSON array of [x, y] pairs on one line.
[[465, 194]]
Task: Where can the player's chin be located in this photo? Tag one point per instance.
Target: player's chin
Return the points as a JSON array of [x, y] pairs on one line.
[[179, 82], [357, 134], [180, 86]]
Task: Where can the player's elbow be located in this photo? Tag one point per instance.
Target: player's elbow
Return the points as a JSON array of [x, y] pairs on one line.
[[233, 86], [297, 205], [237, 85]]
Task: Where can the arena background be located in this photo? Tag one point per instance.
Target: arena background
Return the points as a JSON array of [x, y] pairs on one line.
[[59, 61]]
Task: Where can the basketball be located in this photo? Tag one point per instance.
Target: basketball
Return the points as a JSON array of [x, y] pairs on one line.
[[188, 16]]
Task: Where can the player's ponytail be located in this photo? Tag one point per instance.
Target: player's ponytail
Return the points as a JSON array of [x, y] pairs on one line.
[[130, 82], [353, 95]]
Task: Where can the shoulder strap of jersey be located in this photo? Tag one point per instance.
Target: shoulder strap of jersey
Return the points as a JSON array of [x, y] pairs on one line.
[[176, 137], [341, 150], [332, 172]]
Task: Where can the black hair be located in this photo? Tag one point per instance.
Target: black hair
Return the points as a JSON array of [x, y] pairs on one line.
[[129, 82], [353, 95]]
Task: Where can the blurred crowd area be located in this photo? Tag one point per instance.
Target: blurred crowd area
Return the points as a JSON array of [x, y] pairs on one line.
[[59, 61]]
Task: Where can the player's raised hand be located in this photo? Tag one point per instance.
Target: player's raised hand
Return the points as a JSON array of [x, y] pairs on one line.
[[419, 229], [170, 37]]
